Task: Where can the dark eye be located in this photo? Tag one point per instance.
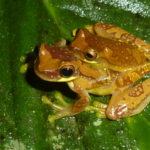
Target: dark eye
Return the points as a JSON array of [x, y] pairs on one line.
[[67, 71], [90, 54]]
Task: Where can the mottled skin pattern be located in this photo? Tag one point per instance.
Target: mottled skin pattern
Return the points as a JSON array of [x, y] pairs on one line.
[[116, 54], [113, 32], [103, 59]]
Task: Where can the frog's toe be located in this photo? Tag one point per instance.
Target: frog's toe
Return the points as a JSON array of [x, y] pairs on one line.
[[99, 108], [60, 114], [23, 68], [62, 109], [52, 118], [48, 101], [59, 98], [100, 105]]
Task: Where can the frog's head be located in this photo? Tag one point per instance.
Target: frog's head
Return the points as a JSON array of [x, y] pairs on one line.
[[56, 64], [60, 64], [87, 46]]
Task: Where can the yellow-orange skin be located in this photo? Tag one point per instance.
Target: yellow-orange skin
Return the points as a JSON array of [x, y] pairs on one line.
[[121, 60]]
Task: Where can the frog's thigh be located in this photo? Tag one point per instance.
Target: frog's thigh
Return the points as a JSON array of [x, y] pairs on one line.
[[112, 32], [129, 101]]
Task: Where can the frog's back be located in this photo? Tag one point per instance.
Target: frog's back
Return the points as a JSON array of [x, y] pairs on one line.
[[116, 53]]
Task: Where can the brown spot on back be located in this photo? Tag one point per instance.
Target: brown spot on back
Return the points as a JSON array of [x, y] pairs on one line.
[[136, 91], [130, 77]]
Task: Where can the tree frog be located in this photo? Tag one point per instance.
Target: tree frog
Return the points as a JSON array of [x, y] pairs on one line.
[[103, 59]]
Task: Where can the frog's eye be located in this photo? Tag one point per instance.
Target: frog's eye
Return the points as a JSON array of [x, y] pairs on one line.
[[67, 71], [90, 54]]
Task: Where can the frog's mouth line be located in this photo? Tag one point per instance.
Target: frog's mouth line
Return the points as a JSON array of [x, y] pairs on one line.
[[52, 76]]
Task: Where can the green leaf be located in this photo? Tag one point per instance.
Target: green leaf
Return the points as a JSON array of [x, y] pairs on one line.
[[23, 118]]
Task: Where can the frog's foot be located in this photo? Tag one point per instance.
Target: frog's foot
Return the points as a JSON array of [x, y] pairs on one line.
[[27, 62], [63, 109], [23, 68], [99, 108]]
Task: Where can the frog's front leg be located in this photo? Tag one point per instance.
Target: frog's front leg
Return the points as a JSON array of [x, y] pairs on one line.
[[82, 101], [64, 109], [129, 101], [112, 32]]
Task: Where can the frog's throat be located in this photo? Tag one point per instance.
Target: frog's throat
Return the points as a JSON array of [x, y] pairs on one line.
[[63, 79]]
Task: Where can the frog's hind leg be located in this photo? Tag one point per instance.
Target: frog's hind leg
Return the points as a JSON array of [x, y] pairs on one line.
[[112, 32], [129, 101]]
